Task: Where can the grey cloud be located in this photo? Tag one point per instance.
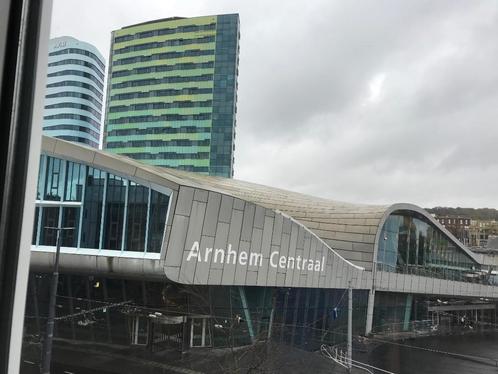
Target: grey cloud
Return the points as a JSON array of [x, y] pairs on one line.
[[304, 119]]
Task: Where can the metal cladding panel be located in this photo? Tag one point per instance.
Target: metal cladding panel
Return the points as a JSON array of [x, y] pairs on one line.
[[248, 221], [220, 241], [317, 250], [396, 282], [215, 276], [144, 174], [202, 272], [259, 217], [112, 163], [272, 271], [238, 204], [85, 155], [184, 201], [284, 249], [406, 283], [99, 265], [280, 280], [177, 239], [226, 209], [252, 277], [187, 270], [201, 195], [241, 270], [72, 263], [279, 250], [277, 229], [423, 284], [289, 276], [256, 248], [262, 279], [235, 226], [213, 209], [166, 237], [307, 252], [330, 269]]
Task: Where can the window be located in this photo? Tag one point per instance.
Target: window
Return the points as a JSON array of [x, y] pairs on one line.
[[74, 116], [152, 81], [50, 218], [75, 106], [80, 52], [78, 62], [97, 103], [54, 180], [412, 244], [97, 81], [136, 217], [92, 208], [157, 218], [115, 213], [76, 84], [70, 220]]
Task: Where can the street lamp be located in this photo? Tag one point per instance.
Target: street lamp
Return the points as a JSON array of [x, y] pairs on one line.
[[49, 334]]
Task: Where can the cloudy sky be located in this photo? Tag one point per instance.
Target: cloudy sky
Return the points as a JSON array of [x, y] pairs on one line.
[[360, 101]]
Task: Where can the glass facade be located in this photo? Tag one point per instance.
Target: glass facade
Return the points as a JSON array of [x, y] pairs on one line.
[[410, 244], [172, 93], [224, 96], [164, 314], [424, 314], [103, 210], [74, 92], [396, 312]]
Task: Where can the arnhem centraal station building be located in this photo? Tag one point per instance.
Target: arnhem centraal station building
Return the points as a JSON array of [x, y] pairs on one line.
[[155, 257]]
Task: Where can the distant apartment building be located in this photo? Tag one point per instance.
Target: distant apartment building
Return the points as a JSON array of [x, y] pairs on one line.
[[458, 226], [74, 91], [481, 231], [471, 232], [172, 93]]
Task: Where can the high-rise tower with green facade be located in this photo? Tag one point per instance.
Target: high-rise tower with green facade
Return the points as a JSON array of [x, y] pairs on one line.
[[172, 93]]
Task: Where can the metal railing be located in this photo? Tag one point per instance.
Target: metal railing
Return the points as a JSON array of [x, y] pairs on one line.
[[340, 357], [469, 276]]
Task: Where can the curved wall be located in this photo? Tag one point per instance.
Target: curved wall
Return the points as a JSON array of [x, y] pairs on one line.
[[417, 211], [218, 239], [211, 236], [227, 232]]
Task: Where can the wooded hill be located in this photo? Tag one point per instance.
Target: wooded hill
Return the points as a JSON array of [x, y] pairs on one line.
[[481, 213]]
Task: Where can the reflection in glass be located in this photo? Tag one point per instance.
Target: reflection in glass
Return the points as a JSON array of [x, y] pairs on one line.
[[92, 208], [75, 176], [157, 218], [35, 225], [136, 218], [70, 219], [54, 183], [408, 241], [114, 212], [39, 187], [50, 218]]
